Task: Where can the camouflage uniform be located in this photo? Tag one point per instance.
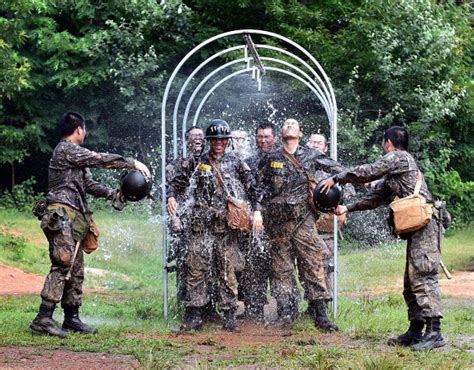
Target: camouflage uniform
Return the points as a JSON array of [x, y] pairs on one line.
[[253, 280], [212, 245], [399, 169], [290, 224], [67, 219]]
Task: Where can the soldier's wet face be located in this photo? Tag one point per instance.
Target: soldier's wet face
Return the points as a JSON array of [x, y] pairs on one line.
[[218, 145], [195, 140], [291, 129], [265, 139], [317, 141]]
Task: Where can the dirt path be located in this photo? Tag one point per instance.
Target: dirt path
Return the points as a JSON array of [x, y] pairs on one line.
[[213, 344]]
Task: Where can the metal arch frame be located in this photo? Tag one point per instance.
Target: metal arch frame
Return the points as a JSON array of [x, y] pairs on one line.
[[245, 59], [220, 82], [332, 120]]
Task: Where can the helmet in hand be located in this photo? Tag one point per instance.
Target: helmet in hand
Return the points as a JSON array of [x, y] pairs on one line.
[[326, 202], [134, 186]]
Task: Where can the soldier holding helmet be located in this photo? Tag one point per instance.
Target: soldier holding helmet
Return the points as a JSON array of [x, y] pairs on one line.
[[213, 246]]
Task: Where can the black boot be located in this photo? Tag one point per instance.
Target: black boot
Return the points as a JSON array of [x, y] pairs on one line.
[[432, 337], [210, 315], [230, 320], [192, 319], [321, 318], [44, 324], [412, 336], [74, 323]]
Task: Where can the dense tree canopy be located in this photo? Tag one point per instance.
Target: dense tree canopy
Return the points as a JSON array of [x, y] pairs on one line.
[[391, 62]]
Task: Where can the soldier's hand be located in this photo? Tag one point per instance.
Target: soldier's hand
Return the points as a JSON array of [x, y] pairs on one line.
[[172, 205], [143, 169], [340, 210], [326, 185], [257, 221]]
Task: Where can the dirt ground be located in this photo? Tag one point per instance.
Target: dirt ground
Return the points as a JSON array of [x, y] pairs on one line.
[[208, 345]]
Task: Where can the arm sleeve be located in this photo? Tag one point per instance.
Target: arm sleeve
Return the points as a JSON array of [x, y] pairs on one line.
[[82, 157], [178, 179], [367, 172], [250, 184], [95, 188], [379, 196]]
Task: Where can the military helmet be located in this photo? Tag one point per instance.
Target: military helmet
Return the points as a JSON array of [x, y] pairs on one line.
[[134, 186], [217, 129], [326, 202]]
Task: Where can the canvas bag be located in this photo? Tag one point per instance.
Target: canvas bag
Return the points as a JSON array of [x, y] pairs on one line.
[[91, 241], [325, 222], [238, 212], [412, 212]]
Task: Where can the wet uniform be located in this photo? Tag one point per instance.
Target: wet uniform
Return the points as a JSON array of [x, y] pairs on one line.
[[399, 169], [290, 224], [253, 280], [67, 218], [212, 245]]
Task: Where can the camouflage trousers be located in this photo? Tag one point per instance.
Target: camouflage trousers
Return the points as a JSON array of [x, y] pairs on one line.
[[420, 284], [212, 258], [301, 241], [62, 244], [253, 280]]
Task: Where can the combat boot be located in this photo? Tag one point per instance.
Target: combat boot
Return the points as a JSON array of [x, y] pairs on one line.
[[230, 320], [210, 315], [192, 319], [44, 323], [412, 336], [321, 318], [286, 316], [256, 315], [432, 337], [74, 323]]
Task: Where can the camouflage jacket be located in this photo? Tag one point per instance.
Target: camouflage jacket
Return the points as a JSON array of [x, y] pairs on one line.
[[399, 171], [282, 186], [254, 160], [198, 178], [175, 167], [69, 178]]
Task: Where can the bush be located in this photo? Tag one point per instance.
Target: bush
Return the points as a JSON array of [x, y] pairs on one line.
[[22, 197]]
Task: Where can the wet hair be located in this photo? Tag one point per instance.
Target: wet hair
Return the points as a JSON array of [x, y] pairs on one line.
[[186, 134], [320, 134], [69, 122], [264, 126], [398, 136]]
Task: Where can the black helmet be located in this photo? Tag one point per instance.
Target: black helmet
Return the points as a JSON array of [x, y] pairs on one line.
[[326, 202], [217, 129], [134, 186]]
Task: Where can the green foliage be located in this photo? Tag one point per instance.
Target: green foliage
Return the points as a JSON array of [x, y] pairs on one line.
[[21, 197]]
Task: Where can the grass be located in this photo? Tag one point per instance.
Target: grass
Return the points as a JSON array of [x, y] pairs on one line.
[[129, 312]]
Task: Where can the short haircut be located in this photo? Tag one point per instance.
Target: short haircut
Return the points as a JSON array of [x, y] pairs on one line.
[[186, 134], [319, 134], [264, 126], [398, 136], [69, 122]]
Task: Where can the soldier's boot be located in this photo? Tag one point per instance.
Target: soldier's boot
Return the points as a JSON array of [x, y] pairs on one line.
[[230, 320], [44, 323], [192, 319], [321, 319], [74, 323], [432, 337], [412, 336], [210, 315]]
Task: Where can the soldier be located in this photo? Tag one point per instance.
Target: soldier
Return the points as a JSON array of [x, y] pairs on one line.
[[212, 245], [195, 144], [421, 290], [66, 221], [290, 225], [253, 281]]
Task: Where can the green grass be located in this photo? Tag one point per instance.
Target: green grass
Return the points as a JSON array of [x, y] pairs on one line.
[[129, 311]]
